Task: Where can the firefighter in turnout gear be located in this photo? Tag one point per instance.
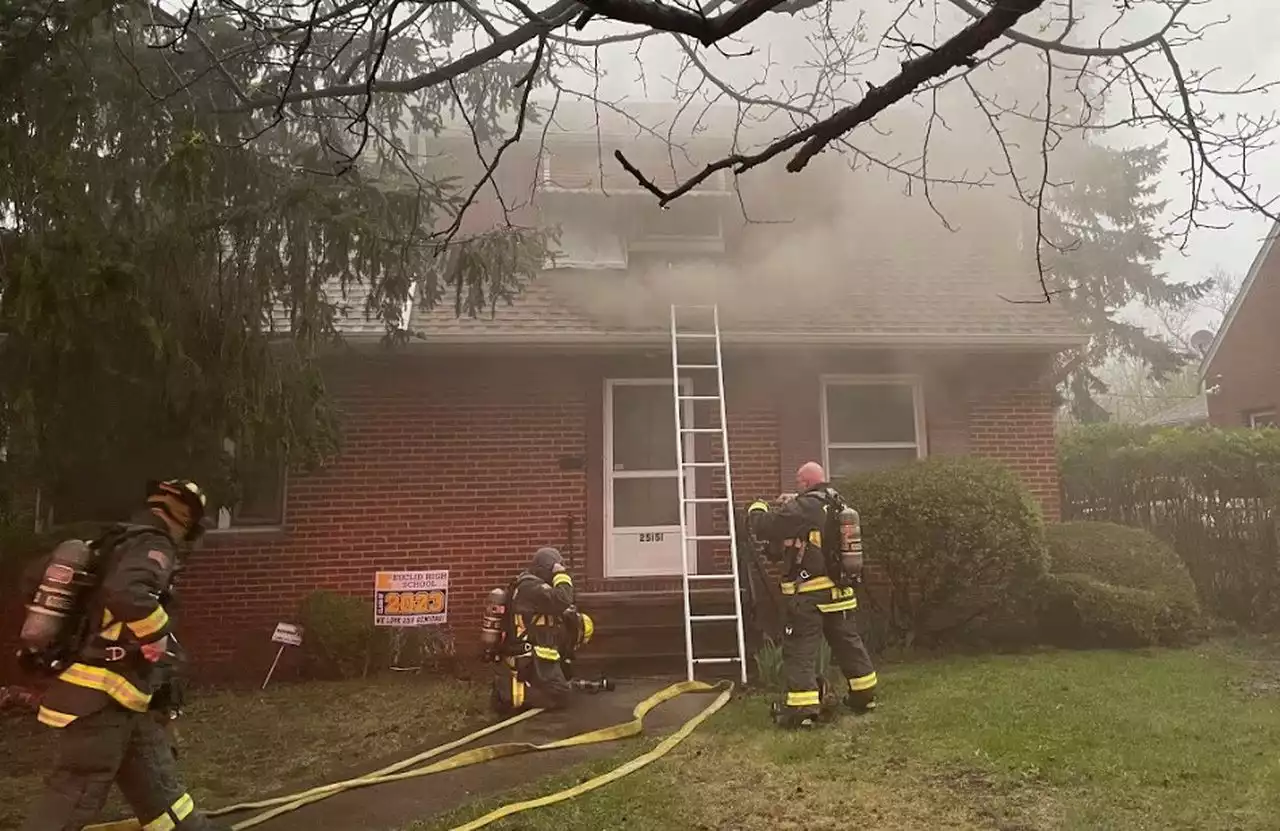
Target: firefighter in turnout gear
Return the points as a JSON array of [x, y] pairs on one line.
[[542, 630], [113, 698], [819, 591]]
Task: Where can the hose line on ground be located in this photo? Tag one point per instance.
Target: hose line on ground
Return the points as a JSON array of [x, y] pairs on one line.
[[396, 772]]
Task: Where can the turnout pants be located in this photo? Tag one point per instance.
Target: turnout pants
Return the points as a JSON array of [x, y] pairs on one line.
[[528, 681], [132, 750], [808, 622]]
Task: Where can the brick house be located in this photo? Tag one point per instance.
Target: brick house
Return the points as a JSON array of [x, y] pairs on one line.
[[551, 422], [858, 332], [1242, 365]]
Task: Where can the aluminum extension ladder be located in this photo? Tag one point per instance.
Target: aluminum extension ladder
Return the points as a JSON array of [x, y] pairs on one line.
[[708, 335]]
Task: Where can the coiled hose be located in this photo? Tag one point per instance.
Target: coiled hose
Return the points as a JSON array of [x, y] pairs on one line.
[[396, 772]]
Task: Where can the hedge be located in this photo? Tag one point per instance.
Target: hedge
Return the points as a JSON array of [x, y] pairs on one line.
[[1213, 494], [1110, 585], [959, 542]]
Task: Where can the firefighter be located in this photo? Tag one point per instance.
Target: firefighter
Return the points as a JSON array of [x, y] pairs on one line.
[[543, 631], [820, 597], [111, 704]]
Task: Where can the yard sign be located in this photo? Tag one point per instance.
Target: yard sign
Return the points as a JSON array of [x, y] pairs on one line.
[[410, 598]]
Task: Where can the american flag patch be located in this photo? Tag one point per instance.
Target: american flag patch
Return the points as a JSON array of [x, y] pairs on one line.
[[159, 558]]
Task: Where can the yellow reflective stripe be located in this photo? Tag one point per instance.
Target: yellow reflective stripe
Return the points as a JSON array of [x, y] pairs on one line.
[[106, 618], [842, 600], [106, 681], [815, 538], [520, 627], [113, 632], [813, 584], [517, 691], [562, 579], [52, 718], [803, 699], [151, 624], [862, 682], [546, 653], [178, 811], [758, 505]]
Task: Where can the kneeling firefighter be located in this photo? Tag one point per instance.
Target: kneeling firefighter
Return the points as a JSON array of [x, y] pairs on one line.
[[818, 539], [531, 631], [98, 625]]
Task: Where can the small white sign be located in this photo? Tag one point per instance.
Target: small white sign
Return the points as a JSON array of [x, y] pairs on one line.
[[287, 633]]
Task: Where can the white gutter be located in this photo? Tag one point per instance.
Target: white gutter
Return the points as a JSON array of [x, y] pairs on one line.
[[660, 338]]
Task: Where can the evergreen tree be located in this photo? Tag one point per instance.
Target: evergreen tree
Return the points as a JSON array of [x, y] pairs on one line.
[[154, 236], [1104, 243]]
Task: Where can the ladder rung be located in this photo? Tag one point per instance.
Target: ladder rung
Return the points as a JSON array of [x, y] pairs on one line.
[[698, 397], [695, 334], [704, 464], [735, 659], [697, 366], [701, 429], [712, 618], [710, 576], [703, 500], [716, 537]]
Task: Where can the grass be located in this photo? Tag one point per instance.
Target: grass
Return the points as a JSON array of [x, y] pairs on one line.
[[235, 745], [1056, 741], [1070, 741]]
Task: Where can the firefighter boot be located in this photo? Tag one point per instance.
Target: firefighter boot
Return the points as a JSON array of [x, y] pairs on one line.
[[791, 718], [861, 702]]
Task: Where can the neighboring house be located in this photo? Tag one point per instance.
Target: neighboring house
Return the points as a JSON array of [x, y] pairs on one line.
[[1242, 367], [862, 335], [1193, 412]]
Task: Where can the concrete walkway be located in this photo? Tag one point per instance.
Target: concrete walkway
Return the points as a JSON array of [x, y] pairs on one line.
[[396, 805]]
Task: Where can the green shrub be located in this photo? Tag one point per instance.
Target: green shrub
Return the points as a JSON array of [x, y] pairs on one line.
[[960, 543], [1110, 585], [340, 640], [1213, 494]]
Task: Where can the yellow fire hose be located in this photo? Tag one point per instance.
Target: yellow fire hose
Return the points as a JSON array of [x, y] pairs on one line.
[[396, 772]]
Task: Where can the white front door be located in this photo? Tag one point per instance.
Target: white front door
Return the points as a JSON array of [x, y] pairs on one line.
[[642, 498]]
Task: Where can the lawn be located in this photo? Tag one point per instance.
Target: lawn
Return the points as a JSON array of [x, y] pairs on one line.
[[1059, 740], [1099, 741], [241, 744]]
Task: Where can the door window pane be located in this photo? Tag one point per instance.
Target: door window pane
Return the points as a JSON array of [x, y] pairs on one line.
[[644, 430], [870, 413], [639, 503], [848, 462]]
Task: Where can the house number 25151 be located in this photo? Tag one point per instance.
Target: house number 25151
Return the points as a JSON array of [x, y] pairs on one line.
[[652, 537]]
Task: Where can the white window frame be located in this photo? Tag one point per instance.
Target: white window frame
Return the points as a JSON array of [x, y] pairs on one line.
[[690, 479], [1257, 415], [921, 444]]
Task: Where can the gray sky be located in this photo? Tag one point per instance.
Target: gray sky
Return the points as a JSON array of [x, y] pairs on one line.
[[1242, 47]]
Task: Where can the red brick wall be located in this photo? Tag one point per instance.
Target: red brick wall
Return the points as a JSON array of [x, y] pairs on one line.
[[472, 465], [1246, 368], [1011, 420], [440, 469]]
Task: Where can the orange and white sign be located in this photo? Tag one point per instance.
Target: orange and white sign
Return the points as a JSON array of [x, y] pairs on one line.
[[410, 598]]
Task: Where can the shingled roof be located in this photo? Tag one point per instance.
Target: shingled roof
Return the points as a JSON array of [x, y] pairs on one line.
[[609, 306]]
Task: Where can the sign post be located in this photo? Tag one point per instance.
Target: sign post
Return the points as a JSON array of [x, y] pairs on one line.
[[286, 634], [408, 600]]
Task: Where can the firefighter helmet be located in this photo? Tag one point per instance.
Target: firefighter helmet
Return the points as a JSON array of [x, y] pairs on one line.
[[182, 501]]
